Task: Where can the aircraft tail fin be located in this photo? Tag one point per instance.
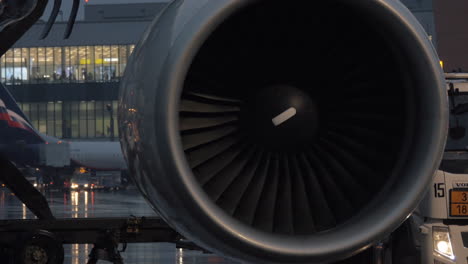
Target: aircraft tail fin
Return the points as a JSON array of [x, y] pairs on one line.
[[10, 102], [14, 125]]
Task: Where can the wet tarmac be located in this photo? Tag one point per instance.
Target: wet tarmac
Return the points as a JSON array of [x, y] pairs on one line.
[[81, 204]]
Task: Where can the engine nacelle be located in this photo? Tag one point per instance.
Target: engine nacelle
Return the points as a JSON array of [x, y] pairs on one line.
[[284, 131]]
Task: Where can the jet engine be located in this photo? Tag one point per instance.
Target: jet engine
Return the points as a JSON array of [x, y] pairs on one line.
[[284, 131]]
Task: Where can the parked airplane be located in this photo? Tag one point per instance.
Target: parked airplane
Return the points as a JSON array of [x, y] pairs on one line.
[[98, 155], [350, 167], [20, 142]]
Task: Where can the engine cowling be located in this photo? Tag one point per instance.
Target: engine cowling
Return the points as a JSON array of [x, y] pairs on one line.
[[284, 131]]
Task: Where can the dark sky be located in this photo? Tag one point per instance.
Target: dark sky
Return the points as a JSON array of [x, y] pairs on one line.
[[66, 6]]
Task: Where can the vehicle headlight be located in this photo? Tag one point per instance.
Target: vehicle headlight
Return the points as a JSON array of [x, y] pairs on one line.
[[442, 243], [74, 186], [86, 185], [35, 185]]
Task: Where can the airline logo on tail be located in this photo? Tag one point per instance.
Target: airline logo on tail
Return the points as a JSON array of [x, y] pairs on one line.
[[14, 126], [13, 119]]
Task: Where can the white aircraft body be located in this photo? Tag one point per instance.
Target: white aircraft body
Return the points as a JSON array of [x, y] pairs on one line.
[[98, 155]]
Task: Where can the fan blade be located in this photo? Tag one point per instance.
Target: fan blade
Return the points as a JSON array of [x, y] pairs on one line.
[[367, 176], [339, 203], [212, 98], [360, 132], [203, 137], [187, 105], [307, 185], [251, 198], [348, 184], [202, 154], [364, 117], [206, 171], [284, 204], [368, 153], [231, 198], [218, 184], [192, 123], [265, 213]]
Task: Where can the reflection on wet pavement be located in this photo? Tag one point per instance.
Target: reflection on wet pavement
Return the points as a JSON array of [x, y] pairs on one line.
[[80, 204], [160, 253], [91, 204]]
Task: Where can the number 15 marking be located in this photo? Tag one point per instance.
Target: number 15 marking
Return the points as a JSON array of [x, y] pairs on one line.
[[439, 190]]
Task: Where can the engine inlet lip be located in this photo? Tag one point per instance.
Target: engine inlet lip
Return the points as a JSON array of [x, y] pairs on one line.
[[343, 240]]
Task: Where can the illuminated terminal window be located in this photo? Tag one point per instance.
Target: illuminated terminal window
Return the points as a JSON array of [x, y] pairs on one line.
[[64, 64], [74, 119]]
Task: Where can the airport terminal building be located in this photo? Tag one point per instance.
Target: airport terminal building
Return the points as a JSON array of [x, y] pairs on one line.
[[69, 88]]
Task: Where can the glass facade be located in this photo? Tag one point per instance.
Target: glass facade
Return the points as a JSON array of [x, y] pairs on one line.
[[64, 64], [77, 64], [74, 119]]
